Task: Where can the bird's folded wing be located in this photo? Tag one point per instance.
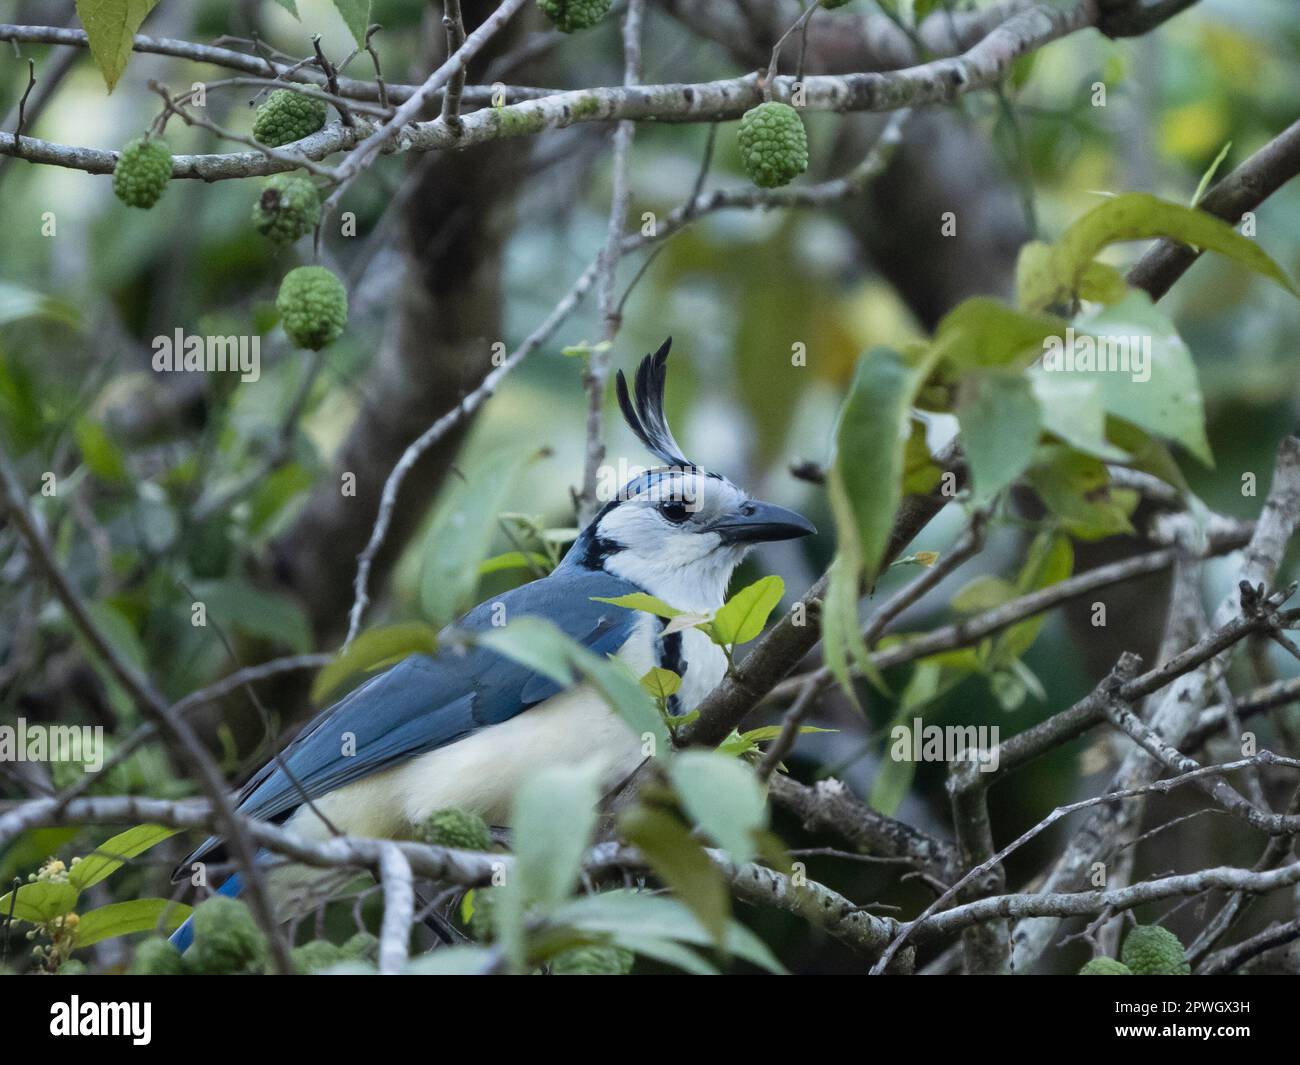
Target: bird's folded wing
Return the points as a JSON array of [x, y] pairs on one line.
[[426, 702]]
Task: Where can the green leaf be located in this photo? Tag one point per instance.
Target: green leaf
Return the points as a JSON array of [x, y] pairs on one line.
[[1141, 216], [667, 952], [553, 815], [984, 593], [1071, 408], [661, 683], [1037, 283], [739, 743], [18, 303], [1050, 561], [110, 31], [356, 13], [723, 797], [102, 456], [1000, 424], [269, 615], [110, 855], [539, 645], [681, 863], [985, 332], [1102, 283], [640, 601], [461, 533], [290, 6], [1076, 488], [865, 488], [1208, 176], [867, 473], [123, 918], [514, 560], [625, 913], [373, 649], [273, 496], [119, 632], [39, 901], [1161, 393], [743, 616]]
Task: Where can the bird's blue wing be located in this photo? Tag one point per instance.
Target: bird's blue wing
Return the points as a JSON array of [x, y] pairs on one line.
[[426, 702]]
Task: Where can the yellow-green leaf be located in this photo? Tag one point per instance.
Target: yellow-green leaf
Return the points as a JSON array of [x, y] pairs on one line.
[[110, 855], [661, 683], [679, 860], [110, 31], [39, 900], [135, 915], [743, 616], [640, 601], [375, 648]]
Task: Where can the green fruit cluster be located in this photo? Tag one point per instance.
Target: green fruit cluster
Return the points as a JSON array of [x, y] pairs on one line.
[[453, 827], [142, 171], [287, 116], [317, 955], [288, 207], [773, 144], [593, 961], [571, 15], [364, 946], [481, 904], [480, 923], [1105, 967], [227, 939], [1150, 950], [313, 306], [157, 957]]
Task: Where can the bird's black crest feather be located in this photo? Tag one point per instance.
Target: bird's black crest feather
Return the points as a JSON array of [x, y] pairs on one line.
[[646, 416]]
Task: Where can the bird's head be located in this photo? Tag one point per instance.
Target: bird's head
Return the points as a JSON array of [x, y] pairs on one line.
[[677, 530]]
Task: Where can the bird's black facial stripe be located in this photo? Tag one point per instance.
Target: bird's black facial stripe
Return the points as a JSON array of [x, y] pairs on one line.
[[598, 549], [670, 657]]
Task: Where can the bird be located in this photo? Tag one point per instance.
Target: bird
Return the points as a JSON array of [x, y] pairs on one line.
[[462, 727]]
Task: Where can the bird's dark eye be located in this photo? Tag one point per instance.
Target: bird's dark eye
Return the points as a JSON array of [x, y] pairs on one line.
[[674, 511]]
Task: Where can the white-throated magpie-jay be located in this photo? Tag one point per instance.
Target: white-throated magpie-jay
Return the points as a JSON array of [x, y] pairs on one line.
[[463, 729]]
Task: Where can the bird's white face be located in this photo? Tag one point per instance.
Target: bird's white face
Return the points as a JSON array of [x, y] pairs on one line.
[[679, 534]]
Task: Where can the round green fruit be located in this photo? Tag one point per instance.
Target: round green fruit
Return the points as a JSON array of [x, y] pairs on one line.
[[593, 961], [1150, 950], [226, 938], [317, 955], [142, 171], [313, 306], [287, 116], [288, 207], [773, 144], [571, 15], [483, 902], [1105, 967], [452, 827], [157, 957]]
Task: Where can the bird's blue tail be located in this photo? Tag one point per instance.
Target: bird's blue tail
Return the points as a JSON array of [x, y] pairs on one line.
[[184, 935]]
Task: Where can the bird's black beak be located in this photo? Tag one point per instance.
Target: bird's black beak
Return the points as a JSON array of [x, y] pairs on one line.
[[758, 522]]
